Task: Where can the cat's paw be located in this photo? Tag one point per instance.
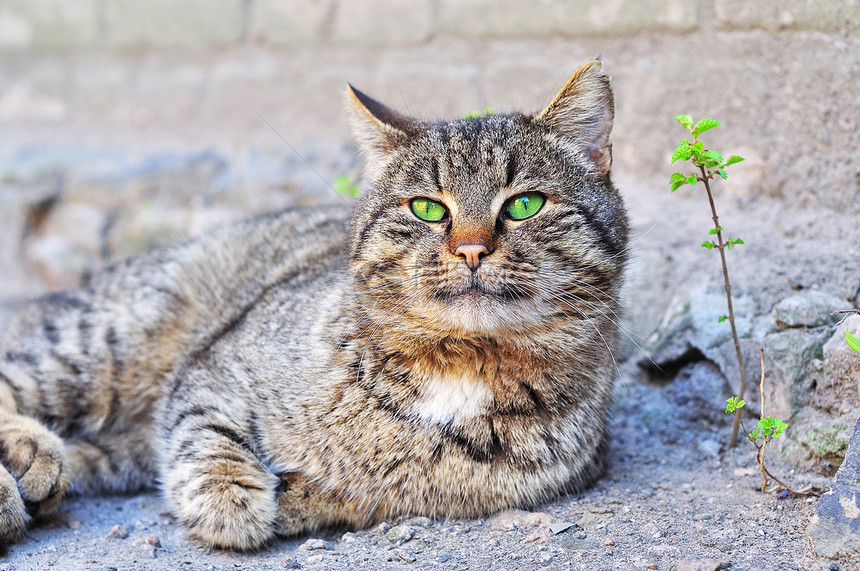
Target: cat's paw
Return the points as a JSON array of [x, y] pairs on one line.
[[225, 502], [13, 514], [34, 473]]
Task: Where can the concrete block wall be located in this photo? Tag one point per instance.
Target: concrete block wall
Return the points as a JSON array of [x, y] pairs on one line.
[[195, 108]]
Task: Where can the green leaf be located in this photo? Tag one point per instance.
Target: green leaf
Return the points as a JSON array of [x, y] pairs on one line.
[[713, 231], [686, 121], [723, 174], [709, 245], [754, 435], [344, 185], [733, 241], [692, 179], [705, 124], [733, 404], [677, 180], [682, 152], [713, 155], [771, 427], [698, 147], [732, 160], [852, 341], [722, 318]]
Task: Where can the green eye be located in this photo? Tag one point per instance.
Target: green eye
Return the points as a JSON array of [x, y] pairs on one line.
[[428, 210], [524, 206]]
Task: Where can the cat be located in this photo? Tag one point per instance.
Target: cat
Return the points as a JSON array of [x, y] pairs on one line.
[[441, 348]]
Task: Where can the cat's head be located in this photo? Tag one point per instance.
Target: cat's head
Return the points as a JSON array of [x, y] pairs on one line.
[[492, 224]]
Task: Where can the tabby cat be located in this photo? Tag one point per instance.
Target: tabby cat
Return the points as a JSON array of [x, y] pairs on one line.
[[443, 348]]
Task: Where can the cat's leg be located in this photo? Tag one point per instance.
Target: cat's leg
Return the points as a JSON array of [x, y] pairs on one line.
[[33, 468], [211, 474], [304, 506], [112, 462]]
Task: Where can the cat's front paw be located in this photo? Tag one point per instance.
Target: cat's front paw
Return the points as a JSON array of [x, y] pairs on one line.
[[224, 502], [33, 472]]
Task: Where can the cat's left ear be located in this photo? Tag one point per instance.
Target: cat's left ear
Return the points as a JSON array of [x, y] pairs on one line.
[[583, 112], [378, 129]]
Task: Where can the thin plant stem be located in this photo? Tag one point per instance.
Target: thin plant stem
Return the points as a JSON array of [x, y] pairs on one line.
[[721, 247], [761, 415]]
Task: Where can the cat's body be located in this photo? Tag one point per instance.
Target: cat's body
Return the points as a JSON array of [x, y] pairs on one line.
[[274, 380]]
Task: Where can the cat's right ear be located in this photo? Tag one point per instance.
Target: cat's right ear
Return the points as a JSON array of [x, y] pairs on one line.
[[378, 129], [583, 112]]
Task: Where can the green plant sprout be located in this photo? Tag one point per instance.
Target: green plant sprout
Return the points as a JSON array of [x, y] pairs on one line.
[[344, 185], [709, 164], [852, 341], [476, 114], [766, 430]]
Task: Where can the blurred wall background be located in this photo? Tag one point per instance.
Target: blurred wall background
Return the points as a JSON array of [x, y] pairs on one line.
[[124, 123]]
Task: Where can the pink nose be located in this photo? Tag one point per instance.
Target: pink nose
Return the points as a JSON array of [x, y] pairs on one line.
[[472, 253]]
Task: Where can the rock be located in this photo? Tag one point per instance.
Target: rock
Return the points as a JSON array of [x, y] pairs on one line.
[[419, 521], [810, 308], [316, 545], [691, 325], [400, 534], [383, 528], [147, 546], [835, 527], [544, 557], [404, 556], [560, 527], [514, 519], [695, 564], [117, 532]]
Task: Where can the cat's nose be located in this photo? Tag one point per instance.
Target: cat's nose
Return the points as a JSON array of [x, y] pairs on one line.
[[473, 253]]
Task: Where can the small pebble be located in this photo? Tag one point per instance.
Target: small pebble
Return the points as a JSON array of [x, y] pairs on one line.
[[400, 534], [650, 565], [545, 557], [383, 528], [117, 532], [315, 544], [407, 557]]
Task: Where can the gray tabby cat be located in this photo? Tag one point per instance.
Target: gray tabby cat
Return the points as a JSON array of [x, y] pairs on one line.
[[443, 349]]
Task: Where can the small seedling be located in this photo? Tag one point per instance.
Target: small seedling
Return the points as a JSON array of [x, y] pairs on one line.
[[766, 430], [709, 164], [344, 185], [476, 114]]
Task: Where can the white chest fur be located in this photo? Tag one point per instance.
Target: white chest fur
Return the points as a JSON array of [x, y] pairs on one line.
[[452, 398]]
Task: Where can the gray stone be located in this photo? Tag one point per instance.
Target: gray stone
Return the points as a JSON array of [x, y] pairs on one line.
[[316, 544], [48, 23], [692, 323], [789, 14], [400, 534], [165, 23], [835, 527], [808, 309], [403, 22]]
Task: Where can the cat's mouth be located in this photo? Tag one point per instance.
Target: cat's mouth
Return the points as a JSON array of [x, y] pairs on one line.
[[477, 290]]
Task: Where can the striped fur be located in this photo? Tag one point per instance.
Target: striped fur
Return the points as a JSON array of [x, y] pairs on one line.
[[336, 365]]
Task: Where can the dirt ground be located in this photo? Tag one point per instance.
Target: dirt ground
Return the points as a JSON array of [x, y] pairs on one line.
[[674, 497], [671, 499]]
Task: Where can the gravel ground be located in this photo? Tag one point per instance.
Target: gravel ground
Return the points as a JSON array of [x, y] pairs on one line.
[[671, 499]]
